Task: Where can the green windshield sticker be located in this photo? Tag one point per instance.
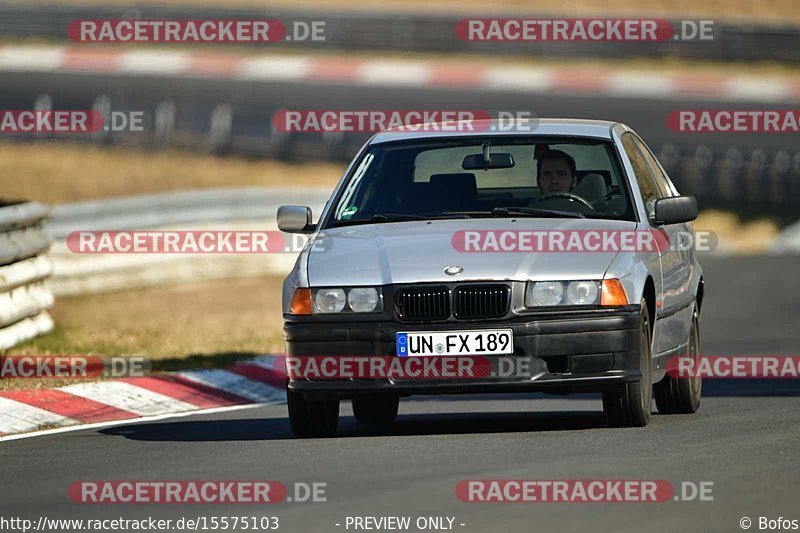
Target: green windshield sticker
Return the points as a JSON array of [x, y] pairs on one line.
[[350, 211]]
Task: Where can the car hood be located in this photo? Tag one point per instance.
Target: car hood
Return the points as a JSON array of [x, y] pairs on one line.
[[419, 251]]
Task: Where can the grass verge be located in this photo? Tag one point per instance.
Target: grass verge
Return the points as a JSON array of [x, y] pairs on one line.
[[67, 172], [209, 324]]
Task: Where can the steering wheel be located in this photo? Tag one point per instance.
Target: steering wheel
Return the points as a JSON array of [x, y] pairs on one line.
[[568, 196]]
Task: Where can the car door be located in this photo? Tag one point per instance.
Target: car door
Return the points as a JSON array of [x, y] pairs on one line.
[[677, 308], [667, 330]]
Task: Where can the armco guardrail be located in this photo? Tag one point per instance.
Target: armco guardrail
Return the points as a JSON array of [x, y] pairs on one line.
[[164, 209], [234, 208], [24, 298], [416, 32]]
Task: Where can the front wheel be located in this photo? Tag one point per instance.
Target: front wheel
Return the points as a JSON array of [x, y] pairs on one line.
[[681, 395], [312, 417], [631, 406], [375, 409]]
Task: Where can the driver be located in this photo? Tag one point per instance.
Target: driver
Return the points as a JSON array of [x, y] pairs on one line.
[[555, 171]]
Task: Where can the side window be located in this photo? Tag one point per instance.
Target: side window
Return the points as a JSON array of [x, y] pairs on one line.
[[664, 185], [644, 176]]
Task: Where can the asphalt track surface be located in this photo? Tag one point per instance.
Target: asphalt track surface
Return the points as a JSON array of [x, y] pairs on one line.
[[254, 102], [744, 439]]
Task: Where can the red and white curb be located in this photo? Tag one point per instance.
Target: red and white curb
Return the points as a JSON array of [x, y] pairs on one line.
[[402, 73], [257, 382]]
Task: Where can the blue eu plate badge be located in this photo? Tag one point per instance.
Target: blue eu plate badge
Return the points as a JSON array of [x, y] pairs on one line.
[[402, 344]]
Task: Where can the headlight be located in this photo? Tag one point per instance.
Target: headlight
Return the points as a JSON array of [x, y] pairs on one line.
[[548, 293], [344, 300], [544, 293], [329, 300], [582, 292], [363, 300]]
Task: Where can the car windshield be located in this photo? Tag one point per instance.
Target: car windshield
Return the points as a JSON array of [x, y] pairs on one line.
[[484, 177]]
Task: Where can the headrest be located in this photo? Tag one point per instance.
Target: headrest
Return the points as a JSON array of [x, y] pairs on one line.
[[591, 187], [459, 183]]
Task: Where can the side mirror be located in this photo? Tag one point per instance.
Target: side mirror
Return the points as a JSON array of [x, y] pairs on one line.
[[295, 219], [675, 210]]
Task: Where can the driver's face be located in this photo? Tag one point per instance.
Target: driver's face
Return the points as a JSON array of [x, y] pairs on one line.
[[555, 176]]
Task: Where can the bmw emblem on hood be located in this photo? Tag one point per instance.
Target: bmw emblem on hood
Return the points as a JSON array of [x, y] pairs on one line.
[[453, 270]]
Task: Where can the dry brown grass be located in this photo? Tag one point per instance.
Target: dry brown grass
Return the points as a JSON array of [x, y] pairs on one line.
[[57, 173], [738, 236], [221, 316], [771, 10], [204, 324]]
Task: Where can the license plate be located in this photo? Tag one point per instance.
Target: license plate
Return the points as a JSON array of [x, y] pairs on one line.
[[476, 342]]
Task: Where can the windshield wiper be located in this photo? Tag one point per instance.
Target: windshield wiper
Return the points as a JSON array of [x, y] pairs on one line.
[[382, 218], [456, 214], [534, 212], [394, 217], [497, 211]]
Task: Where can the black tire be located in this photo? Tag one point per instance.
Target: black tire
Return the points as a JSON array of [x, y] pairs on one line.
[[677, 395], [631, 406], [312, 418], [376, 408]]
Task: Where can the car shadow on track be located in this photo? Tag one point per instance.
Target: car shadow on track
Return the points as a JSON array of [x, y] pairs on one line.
[[434, 424], [751, 387], [206, 430], [476, 423]]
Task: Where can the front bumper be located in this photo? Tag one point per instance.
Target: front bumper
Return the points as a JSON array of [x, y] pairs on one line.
[[565, 352]]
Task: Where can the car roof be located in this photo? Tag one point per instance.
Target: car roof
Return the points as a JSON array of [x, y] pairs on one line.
[[600, 129]]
